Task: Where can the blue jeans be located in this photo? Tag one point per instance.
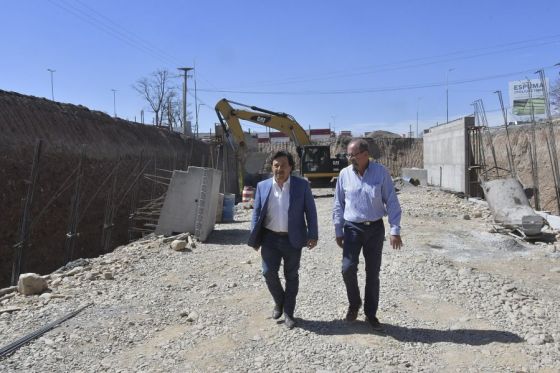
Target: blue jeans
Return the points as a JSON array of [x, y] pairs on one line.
[[274, 249], [370, 238]]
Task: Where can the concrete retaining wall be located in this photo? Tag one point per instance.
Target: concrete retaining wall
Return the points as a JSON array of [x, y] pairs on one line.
[[445, 154]]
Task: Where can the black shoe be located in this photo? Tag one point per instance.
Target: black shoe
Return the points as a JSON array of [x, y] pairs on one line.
[[289, 321], [277, 312], [375, 324], [352, 313]]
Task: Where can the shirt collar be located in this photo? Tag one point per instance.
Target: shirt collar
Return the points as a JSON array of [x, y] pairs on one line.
[[366, 169], [287, 182]]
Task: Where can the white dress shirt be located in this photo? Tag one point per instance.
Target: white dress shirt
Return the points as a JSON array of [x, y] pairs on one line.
[[278, 204]]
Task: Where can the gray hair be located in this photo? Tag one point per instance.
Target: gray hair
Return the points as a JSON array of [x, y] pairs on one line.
[[362, 144]]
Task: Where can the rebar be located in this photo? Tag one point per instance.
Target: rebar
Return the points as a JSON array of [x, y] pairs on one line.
[[24, 231], [10, 348]]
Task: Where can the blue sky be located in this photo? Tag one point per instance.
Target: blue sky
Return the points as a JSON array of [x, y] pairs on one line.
[[353, 65]]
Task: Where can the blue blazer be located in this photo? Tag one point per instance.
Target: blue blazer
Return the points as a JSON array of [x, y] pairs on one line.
[[302, 214]]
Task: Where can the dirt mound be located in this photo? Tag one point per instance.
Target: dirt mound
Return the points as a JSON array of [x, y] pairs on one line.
[[382, 135]]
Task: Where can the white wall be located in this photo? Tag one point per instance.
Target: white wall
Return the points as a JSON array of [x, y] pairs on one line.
[[445, 154]]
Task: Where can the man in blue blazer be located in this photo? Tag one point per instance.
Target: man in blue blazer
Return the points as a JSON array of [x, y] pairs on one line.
[[284, 220]]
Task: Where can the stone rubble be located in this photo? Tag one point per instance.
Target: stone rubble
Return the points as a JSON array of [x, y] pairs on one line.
[[455, 298]]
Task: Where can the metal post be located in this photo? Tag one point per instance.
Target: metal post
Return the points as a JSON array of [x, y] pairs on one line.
[[533, 149], [509, 148], [26, 219], [552, 141], [72, 234]]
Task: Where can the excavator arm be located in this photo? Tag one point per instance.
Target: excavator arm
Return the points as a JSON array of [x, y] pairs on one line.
[[285, 123]]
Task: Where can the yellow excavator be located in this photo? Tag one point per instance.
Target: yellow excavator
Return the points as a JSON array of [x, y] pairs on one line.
[[315, 164]]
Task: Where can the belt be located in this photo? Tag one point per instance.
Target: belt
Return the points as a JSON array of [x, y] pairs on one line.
[[277, 233], [368, 223]]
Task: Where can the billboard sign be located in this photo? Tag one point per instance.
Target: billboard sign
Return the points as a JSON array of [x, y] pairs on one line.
[[524, 100]]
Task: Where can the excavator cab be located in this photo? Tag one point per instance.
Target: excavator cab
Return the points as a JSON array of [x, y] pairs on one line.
[[318, 166]]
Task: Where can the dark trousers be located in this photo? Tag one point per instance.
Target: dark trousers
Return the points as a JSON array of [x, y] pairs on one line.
[[274, 249], [370, 238]]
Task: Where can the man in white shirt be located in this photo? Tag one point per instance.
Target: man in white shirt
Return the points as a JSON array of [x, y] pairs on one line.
[[284, 220]]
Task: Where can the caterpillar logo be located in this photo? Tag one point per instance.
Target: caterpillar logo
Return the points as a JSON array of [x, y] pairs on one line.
[[260, 119]]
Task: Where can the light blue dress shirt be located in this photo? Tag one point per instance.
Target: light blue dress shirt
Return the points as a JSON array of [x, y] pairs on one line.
[[366, 198]]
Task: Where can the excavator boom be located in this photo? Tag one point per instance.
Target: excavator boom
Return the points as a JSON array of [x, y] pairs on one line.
[[282, 122]]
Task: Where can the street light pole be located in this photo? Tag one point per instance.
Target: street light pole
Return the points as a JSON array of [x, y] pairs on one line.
[[187, 128], [52, 84], [417, 108], [447, 92], [114, 102]]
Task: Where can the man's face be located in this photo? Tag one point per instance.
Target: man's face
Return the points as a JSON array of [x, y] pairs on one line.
[[358, 158], [281, 169]]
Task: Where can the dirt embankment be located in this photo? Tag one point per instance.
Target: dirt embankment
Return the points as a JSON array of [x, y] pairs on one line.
[[521, 141], [116, 153]]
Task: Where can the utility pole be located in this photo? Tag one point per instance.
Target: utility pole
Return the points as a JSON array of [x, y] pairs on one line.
[[447, 92], [114, 102], [197, 106], [186, 126], [52, 84]]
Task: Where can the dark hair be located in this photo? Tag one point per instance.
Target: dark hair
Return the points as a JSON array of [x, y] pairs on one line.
[[283, 153]]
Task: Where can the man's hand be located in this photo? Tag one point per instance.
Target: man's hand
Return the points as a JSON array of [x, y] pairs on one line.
[[340, 241], [311, 244], [396, 242]]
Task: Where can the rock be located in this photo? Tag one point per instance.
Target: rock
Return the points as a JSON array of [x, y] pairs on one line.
[[555, 270], [31, 283], [108, 275], [536, 340], [178, 245], [477, 214], [466, 217], [75, 271], [193, 316], [9, 309], [508, 288], [184, 313]]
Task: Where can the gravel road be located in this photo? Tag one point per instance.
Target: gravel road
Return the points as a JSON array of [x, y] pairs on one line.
[[456, 298]]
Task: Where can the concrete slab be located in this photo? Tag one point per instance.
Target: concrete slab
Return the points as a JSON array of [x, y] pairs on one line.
[[191, 202]]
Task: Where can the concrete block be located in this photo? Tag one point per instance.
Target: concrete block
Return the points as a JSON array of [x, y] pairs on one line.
[[507, 201], [190, 203]]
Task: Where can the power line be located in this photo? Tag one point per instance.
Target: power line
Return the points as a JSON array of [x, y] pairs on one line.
[[372, 90], [125, 36], [406, 64]]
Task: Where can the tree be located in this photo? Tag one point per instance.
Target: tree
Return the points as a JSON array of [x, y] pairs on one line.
[[158, 91]]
